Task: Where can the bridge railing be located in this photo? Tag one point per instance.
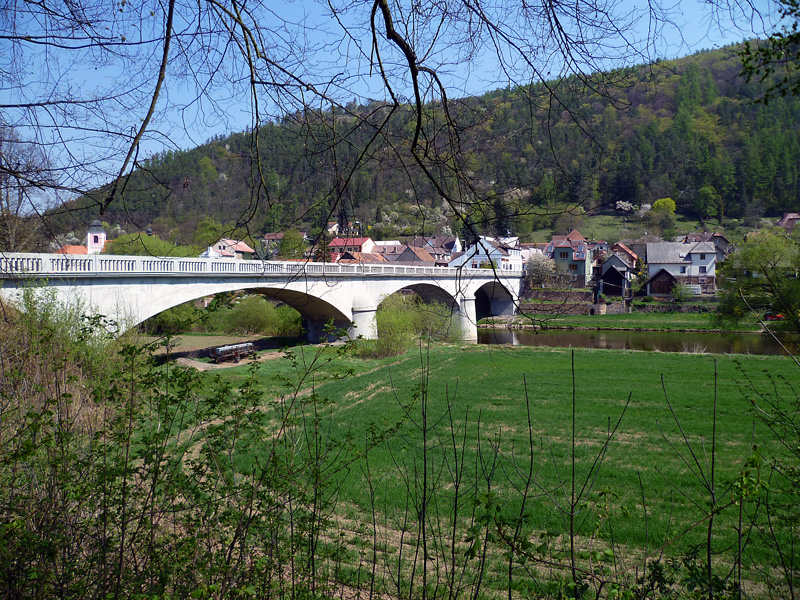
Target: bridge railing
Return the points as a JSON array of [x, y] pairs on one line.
[[43, 265]]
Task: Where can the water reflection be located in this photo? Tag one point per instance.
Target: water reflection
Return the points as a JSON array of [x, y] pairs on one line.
[[661, 341]]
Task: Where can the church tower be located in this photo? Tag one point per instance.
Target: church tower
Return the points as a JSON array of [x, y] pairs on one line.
[[96, 238]]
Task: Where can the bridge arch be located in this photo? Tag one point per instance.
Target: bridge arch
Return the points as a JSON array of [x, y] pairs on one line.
[[316, 312]]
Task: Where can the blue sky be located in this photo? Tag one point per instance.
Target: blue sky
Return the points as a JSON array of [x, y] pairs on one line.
[[689, 26], [334, 55]]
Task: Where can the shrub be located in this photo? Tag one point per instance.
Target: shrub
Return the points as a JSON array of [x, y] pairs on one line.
[[177, 319], [682, 292], [402, 319], [257, 315]]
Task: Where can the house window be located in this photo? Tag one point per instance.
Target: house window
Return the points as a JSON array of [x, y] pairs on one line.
[[702, 269], [702, 257], [562, 255], [96, 240], [573, 267], [683, 270]]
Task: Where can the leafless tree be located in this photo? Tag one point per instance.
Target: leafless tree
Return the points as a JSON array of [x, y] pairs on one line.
[[24, 173], [95, 86]]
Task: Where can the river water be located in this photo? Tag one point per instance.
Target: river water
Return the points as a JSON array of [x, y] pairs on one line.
[[661, 341]]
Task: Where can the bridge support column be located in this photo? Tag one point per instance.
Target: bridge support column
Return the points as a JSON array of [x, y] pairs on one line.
[[364, 323], [467, 319]]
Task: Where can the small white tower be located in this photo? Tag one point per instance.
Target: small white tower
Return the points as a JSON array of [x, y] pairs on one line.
[[96, 238]]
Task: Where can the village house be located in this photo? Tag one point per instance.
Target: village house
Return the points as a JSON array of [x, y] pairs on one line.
[[390, 250], [529, 249], [441, 248], [228, 248], [628, 256], [338, 246], [788, 220], [721, 244], [504, 253], [571, 253], [415, 256], [362, 258], [692, 264], [73, 250], [614, 278]]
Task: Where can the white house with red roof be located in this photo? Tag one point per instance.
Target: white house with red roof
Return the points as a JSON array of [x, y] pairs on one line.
[[338, 246], [228, 248]]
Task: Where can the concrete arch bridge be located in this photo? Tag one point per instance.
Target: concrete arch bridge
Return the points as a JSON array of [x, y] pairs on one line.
[[131, 289]]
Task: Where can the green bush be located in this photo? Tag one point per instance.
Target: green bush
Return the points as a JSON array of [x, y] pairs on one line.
[[682, 293], [257, 315], [290, 322], [251, 315], [401, 320], [178, 319]]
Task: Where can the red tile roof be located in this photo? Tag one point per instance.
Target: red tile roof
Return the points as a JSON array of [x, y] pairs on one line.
[[236, 245], [353, 241], [71, 249]]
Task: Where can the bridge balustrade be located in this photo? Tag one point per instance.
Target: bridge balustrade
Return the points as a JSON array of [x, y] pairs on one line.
[[20, 265], [73, 265], [271, 267], [222, 267], [158, 266], [250, 266], [192, 266], [116, 265], [45, 264]]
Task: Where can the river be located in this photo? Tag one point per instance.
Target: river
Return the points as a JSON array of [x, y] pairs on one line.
[[660, 341]]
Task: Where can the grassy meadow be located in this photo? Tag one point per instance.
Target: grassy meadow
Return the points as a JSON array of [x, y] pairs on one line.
[[450, 434]]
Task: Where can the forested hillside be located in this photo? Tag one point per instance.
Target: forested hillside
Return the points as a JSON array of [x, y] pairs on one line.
[[692, 130]]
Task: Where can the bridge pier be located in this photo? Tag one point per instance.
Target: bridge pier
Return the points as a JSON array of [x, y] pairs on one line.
[[467, 318], [364, 323]]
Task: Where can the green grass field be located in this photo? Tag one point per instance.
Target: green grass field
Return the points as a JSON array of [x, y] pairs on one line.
[[459, 417]]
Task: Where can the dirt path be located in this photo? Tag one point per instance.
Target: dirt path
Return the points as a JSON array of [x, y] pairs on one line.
[[204, 366], [187, 349]]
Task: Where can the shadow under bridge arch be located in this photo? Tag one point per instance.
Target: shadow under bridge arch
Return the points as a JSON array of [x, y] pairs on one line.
[[317, 313], [493, 299]]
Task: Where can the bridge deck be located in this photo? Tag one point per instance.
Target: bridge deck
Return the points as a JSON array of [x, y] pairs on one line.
[[38, 265]]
